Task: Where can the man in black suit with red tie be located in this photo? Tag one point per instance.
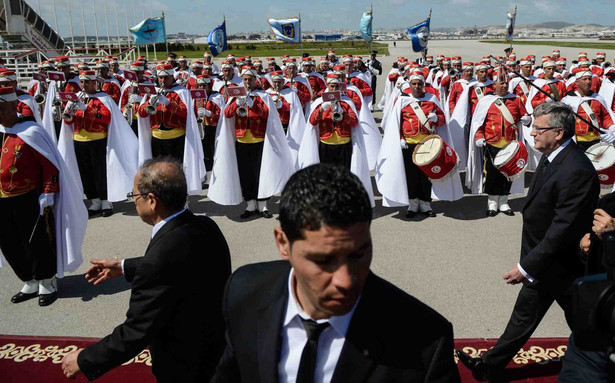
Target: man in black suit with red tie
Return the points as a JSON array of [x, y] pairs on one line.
[[320, 314], [177, 287], [558, 211]]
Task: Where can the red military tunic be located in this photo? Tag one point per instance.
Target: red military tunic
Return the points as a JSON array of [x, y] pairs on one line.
[[284, 111], [191, 84], [32, 90], [454, 95], [356, 99], [411, 129], [114, 91], [317, 84], [596, 84], [519, 91], [364, 87], [212, 107], [23, 169], [264, 83], [22, 108], [495, 129], [474, 97], [172, 117], [541, 98], [393, 77], [93, 124], [302, 91], [331, 132], [582, 129], [251, 128], [428, 89], [119, 78]]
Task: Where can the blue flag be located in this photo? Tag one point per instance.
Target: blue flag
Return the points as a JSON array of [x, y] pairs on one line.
[[288, 30], [366, 26], [149, 31], [419, 34], [217, 39]]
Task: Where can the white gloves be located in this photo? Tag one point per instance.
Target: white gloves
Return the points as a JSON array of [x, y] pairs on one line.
[[480, 142], [201, 112], [526, 120], [134, 99], [403, 143], [248, 102], [278, 104], [432, 117], [609, 136], [162, 100], [374, 71], [44, 200], [325, 105]]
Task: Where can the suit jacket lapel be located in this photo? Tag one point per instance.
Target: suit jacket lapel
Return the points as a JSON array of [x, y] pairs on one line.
[[548, 172], [269, 325], [172, 224]]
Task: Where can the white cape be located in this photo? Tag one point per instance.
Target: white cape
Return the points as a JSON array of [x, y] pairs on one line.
[[194, 167], [387, 89], [371, 134], [29, 100], [474, 176], [121, 156], [276, 163], [458, 121], [607, 90], [308, 153], [390, 170], [296, 122], [71, 216]]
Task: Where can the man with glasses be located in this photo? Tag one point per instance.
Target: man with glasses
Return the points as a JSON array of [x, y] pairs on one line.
[[558, 211], [185, 347]]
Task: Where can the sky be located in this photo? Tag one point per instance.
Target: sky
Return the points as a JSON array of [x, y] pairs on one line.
[[200, 16]]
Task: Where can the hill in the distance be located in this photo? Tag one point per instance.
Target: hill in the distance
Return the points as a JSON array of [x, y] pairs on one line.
[[553, 25]]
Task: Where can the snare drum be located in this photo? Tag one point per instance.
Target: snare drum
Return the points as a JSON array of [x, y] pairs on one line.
[[602, 157], [434, 157], [511, 160]]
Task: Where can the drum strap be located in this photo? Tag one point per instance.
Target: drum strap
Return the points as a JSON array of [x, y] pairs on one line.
[[420, 115], [501, 105], [524, 88], [555, 92], [588, 110], [480, 92]]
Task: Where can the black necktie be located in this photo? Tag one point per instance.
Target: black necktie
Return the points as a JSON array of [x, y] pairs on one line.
[[305, 374], [541, 169]]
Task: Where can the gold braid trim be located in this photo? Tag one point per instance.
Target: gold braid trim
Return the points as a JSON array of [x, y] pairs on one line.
[[536, 354], [54, 354]]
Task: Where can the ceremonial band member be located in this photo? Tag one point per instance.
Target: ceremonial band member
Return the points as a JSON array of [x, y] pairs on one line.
[[26, 106], [33, 179], [301, 85], [208, 110], [115, 71], [253, 160], [227, 78], [460, 85], [182, 73], [355, 77], [496, 123], [52, 120], [596, 83], [282, 105], [316, 80], [518, 85], [131, 98], [197, 70], [168, 122], [592, 107], [99, 132], [551, 85], [482, 86], [111, 85]]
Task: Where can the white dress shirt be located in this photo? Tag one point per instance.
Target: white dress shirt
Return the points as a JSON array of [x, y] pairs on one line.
[[550, 157], [157, 227], [294, 339]]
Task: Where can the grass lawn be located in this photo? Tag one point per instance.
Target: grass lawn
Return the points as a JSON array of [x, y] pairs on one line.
[[279, 49], [563, 44]]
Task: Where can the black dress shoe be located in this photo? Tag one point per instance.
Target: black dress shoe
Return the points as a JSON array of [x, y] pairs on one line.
[[476, 365], [247, 214], [46, 299], [429, 213], [107, 212], [266, 214], [21, 297], [93, 213], [410, 214], [508, 212], [491, 213]]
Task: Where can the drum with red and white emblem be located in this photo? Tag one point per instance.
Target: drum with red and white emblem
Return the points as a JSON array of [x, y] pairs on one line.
[[511, 161], [602, 157], [434, 157]]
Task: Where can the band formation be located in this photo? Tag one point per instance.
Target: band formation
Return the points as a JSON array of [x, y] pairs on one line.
[[242, 128]]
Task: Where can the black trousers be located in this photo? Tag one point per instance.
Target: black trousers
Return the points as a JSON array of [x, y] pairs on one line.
[[209, 146], [249, 157], [29, 259], [419, 185], [532, 304], [135, 126], [495, 182], [285, 127], [584, 366], [335, 154], [586, 144], [173, 147], [92, 162]]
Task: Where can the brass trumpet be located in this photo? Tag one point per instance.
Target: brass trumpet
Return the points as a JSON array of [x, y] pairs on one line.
[[39, 98], [242, 109], [337, 113], [153, 102], [71, 107]]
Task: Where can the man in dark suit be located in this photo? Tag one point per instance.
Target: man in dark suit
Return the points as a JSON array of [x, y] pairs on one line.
[[320, 314], [173, 310], [557, 213]]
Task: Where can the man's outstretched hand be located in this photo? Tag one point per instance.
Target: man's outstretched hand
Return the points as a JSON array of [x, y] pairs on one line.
[[103, 269]]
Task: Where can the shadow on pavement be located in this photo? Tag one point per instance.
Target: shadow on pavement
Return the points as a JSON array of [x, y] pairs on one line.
[[76, 286]]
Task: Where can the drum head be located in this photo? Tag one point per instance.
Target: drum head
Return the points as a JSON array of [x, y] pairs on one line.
[[428, 150], [601, 155], [506, 153]]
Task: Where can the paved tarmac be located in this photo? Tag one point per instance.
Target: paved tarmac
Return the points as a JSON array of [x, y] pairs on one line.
[[453, 262]]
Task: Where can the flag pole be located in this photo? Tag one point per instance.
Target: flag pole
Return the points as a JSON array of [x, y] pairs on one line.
[[300, 35], [70, 24], [165, 33], [371, 40], [107, 23], [513, 36]]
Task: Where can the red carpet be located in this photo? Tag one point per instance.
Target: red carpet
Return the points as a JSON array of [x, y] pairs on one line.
[[29, 359]]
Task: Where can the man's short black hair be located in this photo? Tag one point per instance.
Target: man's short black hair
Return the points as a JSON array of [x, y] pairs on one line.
[[322, 194], [164, 177]]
